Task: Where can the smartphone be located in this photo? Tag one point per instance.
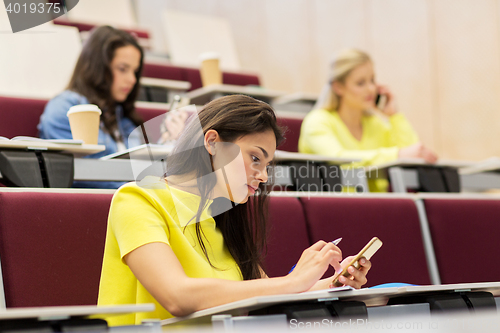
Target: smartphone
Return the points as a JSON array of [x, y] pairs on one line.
[[368, 251], [380, 101]]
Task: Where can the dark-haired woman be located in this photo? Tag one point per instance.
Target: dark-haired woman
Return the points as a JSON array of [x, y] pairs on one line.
[[106, 74], [190, 241]]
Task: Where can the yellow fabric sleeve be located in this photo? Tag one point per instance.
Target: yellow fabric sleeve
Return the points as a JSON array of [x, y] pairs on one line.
[[319, 135], [401, 132], [151, 212], [135, 220]]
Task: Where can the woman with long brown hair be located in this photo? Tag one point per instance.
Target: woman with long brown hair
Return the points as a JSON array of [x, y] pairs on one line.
[[189, 240], [106, 74]]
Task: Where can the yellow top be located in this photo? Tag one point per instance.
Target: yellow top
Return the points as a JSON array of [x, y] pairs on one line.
[[324, 133], [153, 212]]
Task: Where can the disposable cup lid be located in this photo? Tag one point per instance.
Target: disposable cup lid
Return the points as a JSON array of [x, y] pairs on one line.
[[83, 108], [209, 55]]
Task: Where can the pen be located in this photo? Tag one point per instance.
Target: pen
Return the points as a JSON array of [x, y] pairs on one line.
[[335, 242]]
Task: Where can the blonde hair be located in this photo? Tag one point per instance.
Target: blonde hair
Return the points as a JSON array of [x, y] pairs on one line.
[[345, 62]]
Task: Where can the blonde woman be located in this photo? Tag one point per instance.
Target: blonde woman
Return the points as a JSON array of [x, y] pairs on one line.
[[342, 123]]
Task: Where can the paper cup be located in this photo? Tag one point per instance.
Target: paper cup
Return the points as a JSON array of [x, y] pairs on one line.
[[210, 71], [84, 120]]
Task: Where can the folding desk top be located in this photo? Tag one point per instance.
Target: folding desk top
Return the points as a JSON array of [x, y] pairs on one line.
[[72, 311], [371, 297]]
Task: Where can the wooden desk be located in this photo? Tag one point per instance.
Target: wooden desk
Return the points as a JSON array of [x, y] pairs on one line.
[[73, 318], [281, 155], [119, 170], [348, 177], [76, 150], [58, 312], [38, 163], [371, 297], [204, 95], [297, 102], [166, 84], [161, 90], [402, 173], [124, 169], [481, 176]]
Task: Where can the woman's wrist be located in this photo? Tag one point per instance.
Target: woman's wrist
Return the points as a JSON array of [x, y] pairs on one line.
[[391, 113], [291, 284], [394, 115], [322, 284]]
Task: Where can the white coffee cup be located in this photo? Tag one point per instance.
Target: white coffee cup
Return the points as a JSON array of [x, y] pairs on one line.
[[84, 120]]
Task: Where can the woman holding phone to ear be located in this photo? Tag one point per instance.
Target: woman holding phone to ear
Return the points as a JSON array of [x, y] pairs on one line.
[[342, 123], [189, 241]]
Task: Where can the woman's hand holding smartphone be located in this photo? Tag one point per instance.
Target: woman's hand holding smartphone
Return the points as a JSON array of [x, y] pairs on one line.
[[354, 262], [385, 101]]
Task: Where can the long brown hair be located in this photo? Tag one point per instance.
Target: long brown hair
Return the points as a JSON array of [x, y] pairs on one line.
[[93, 77], [243, 226]]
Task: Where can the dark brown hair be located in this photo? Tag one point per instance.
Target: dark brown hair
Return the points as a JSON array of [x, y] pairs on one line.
[[93, 77], [244, 226]]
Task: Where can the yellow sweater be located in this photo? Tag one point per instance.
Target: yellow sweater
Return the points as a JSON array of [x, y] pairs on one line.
[[324, 133], [154, 212]]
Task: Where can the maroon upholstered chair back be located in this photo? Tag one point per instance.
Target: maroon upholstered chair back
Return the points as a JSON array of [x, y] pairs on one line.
[[152, 128], [287, 235], [51, 247], [192, 75], [292, 134], [357, 220], [148, 114], [162, 71], [465, 236], [20, 116], [240, 79], [81, 26], [85, 26]]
